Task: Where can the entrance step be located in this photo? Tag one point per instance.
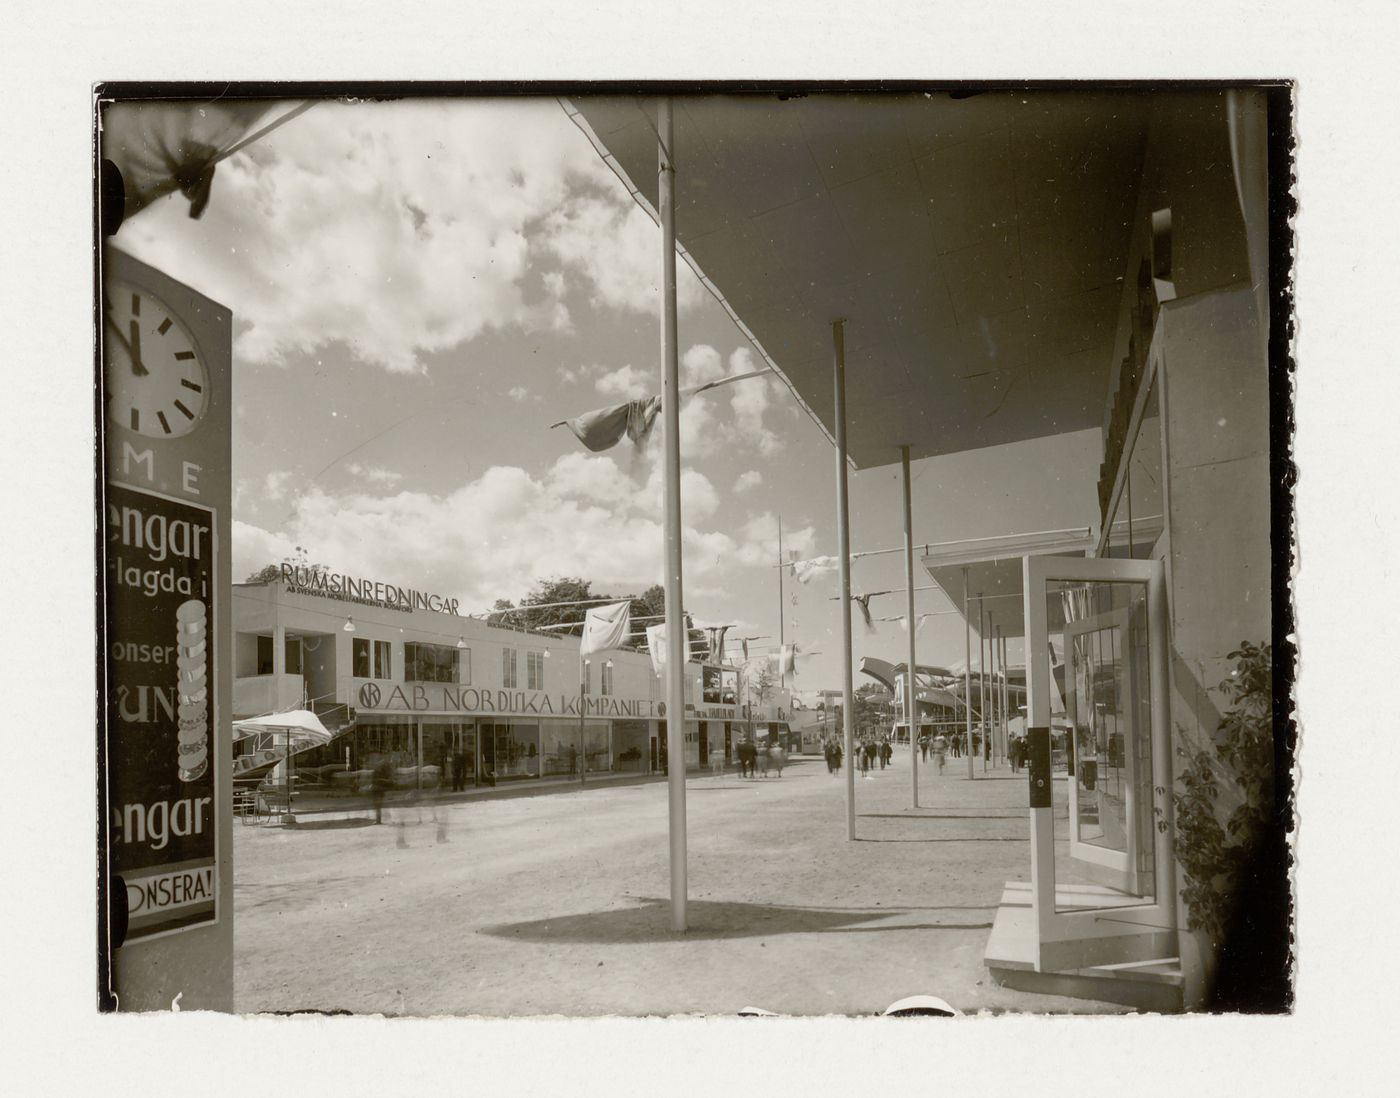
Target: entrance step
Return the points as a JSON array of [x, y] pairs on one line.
[[1149, 985]]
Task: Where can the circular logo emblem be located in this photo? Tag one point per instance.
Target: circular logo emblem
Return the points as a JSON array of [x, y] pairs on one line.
[[369, 696]]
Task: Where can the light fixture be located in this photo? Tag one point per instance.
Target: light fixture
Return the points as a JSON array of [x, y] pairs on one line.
[[461, 642], [546, 653], [609, 663], [349, 625]]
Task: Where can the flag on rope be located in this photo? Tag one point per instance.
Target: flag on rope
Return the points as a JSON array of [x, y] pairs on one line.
[[863, 601], [605, 628], [656, 646], [603, 428], [786, 659], [163, 146], [716, 636], [805, 571]]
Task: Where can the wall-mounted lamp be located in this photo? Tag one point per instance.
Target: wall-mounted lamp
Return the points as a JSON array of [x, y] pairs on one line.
[[461, 642], [546, 653], [349, 625]]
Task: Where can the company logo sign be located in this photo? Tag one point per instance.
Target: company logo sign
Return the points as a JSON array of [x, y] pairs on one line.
[[369, 696]]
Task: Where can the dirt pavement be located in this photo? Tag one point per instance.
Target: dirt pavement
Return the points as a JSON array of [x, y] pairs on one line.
[[558, 903]]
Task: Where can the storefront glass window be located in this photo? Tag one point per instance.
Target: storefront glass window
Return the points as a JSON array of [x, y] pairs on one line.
[[450, 745], [510, 749], [559, 749]]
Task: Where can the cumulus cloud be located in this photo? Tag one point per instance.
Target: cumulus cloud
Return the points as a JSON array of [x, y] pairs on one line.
[[759, 544], [399, 229], [518, 393], [617, 248], [275, 485], [375, 474], [494, 536], [748, 481], [626, 382]]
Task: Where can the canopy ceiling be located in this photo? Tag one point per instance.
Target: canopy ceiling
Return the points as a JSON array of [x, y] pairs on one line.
[[975, 247]]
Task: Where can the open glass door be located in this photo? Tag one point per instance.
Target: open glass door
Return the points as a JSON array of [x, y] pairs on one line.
[[1097, 672]]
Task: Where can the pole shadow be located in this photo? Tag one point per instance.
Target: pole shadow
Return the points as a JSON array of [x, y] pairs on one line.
[[709, 919]]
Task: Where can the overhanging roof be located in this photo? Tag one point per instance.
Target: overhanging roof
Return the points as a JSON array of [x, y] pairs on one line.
[[993, 570], [974, 247]]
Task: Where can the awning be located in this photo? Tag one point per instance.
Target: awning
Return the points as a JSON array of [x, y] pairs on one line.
[[302, 724], [974, 246]]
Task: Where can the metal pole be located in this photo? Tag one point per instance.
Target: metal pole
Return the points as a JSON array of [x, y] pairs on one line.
[[843, 532], [967, 673], [582, 749], [676, 636], [992, 685], [911, 704], [782, 676], [1005, 698], [982, 679]]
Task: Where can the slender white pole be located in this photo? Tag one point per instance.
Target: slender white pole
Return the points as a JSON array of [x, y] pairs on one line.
[[782, 675], [967, 673], [843, 532], [911, 703], [676, 635], [982, 681]]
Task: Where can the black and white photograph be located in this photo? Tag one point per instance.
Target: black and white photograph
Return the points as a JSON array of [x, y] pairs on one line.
[[818, 575], [955, 450]]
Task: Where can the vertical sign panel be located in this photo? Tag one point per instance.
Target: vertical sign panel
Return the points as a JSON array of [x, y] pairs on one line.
[[163, 744], [160, 708]]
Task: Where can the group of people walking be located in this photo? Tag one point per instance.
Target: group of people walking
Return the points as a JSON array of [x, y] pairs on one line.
[[755, 760]]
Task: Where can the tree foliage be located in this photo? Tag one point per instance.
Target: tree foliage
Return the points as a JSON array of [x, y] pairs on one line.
[[1235, 863], [506, 614]]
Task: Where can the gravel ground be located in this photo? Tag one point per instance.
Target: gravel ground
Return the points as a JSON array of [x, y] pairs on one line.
[[557, 904]]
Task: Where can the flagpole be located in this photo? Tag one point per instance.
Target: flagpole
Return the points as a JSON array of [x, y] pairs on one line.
[[911, 701], [582, 750], [782, 682], [843, 531], [676, 635], [982, 680], [967, 674]]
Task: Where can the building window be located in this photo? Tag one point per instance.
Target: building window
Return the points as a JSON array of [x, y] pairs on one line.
[[429, 662], [534, 670], [588, 676], [264, 655], [370, 659], [510, 677], [607, 679]]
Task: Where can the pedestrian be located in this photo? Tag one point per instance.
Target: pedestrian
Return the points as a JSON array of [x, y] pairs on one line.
[[829, 753], [923, 747], [886, 754], [836, 756], [940, 752], [381, 781]]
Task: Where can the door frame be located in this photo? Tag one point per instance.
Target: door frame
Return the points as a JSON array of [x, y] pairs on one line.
[[1077, 939]]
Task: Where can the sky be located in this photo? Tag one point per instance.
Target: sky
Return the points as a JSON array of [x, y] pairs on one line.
[[421, 288]]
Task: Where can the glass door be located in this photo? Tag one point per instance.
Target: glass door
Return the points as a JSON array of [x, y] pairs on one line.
[[1101, 830]]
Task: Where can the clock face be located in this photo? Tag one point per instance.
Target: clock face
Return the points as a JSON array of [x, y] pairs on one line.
[[155, 382]]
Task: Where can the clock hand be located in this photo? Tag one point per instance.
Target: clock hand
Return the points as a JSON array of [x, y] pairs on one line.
[[137, 366], [118, 333]]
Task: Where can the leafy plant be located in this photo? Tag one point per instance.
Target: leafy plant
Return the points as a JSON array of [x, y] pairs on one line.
[[1217, 856]]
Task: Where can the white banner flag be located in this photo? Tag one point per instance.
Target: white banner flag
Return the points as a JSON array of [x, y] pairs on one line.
[[605, 628], [656, 645]]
